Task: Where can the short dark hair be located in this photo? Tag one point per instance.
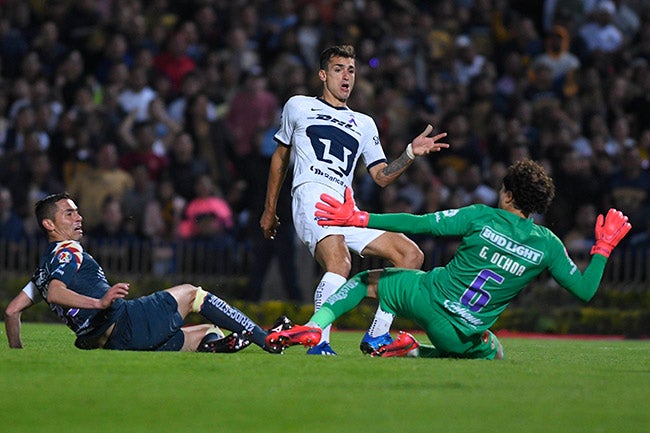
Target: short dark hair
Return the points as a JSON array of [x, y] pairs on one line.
[[346, 51], [532, 189], [46, 208]]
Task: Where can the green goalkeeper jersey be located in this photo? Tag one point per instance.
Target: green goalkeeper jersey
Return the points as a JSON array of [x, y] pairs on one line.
[[500, 253]]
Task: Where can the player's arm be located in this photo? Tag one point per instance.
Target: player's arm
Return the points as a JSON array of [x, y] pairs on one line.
[[12, 319], [332, 212], [609, 231], [280, 161], [59, 294], [386, 173]]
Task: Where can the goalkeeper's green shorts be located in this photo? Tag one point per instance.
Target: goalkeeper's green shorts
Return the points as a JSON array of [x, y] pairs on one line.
[[401, 294]]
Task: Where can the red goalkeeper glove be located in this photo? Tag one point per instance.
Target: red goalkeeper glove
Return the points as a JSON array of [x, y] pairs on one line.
[[609, 231], [334, 213]]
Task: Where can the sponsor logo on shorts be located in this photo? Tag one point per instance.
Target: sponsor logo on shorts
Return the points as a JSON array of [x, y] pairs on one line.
[[465, 315]]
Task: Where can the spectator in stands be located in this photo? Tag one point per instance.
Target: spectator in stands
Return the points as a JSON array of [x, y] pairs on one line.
[[69, 76], [213, 140], [209, 227], [11, 225], [620, 137], [173, 61], [165, 127], [644, 147], [557, 56], [22, 125], [116, 51], [208, 213], [252, 110], [112, 240], [602, 38], [543, 91], [191, 85], [638, 107], [309, 32], [474, 189], [522, 37], [13, 45], [137, 96], [91, 185], [467, 62], [185, 167], [164, 213], [626, 19], [465, 148], [580, 238], [144, 149], [111, 229], [40, 181], [629, 188], [27, 171], [135, 199]]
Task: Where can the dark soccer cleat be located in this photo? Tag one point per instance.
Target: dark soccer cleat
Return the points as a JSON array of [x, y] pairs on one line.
[[282, 323], [229, 344], [371, 344], [298, 334], [404, 345]]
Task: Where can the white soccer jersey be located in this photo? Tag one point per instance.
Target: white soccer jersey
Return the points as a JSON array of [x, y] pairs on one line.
[[327, 141]]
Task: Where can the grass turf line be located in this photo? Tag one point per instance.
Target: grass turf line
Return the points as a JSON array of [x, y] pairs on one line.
[[543, 386]]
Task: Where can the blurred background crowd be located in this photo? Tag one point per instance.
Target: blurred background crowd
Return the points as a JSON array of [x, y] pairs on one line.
[[158, 116]]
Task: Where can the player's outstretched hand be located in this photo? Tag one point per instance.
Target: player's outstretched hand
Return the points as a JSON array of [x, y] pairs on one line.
[[334, 213], [423, 144], [609, 231]]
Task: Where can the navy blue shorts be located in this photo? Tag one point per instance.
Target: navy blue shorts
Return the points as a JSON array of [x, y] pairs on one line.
[[148, 323]]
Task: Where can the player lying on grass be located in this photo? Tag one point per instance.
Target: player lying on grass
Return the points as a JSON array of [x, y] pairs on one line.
[[73, 284], [502, 250]]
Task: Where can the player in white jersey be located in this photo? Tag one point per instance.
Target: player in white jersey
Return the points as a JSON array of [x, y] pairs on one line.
[[327, 139]]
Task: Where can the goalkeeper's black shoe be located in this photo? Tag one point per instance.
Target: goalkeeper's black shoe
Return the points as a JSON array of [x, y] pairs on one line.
[[281, 324], [229, 344]]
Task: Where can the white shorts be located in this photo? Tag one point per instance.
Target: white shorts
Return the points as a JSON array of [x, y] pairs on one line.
[[310, 233]]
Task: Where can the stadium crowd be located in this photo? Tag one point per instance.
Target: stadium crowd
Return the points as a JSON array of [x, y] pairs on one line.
[[158, 116]]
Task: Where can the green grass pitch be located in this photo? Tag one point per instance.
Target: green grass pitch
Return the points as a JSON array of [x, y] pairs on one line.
[[545, 385]]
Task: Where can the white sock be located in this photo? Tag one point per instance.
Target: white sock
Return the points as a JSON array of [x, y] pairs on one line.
[[381, 323], [329, 284]]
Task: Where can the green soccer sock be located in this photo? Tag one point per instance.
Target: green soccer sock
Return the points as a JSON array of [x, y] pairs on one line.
[[348, 296], [427, 351]]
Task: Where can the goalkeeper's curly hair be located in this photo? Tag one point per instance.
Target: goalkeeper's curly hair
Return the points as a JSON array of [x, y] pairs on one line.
[[532, 189]]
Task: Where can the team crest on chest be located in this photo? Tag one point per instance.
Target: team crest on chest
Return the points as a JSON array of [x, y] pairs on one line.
[[68, 252]]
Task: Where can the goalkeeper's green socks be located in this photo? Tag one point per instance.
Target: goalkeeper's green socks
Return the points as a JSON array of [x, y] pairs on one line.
[[348, 296], [428, 351]]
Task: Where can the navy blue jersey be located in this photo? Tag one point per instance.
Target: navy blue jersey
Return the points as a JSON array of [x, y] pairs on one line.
[[67, 262]]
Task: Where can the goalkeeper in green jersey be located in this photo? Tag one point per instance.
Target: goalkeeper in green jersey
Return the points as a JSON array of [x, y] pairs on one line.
[[501, 251]]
